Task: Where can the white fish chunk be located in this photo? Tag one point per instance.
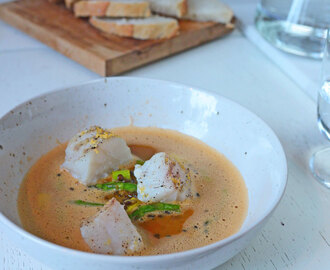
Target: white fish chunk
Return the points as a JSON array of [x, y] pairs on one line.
[[111, 231], [93, 153], [162, 179]]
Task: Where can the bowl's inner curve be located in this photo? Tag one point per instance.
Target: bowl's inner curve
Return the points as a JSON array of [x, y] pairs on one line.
[[35, 127]]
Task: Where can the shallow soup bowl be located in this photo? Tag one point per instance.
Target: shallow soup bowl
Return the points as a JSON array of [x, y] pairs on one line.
[[35, 127]]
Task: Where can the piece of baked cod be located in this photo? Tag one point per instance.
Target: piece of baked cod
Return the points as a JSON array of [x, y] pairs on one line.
[[111, 231], [162, 179], [94, 153]]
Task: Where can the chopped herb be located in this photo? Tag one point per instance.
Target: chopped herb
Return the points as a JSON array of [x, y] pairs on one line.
[[143, 209], [140, 162], [197, 194], [206, 222], [125, 173], [131, 205], [80, 202], [117, 186]]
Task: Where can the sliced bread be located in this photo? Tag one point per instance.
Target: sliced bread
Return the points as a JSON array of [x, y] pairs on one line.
[[210, 10], [112, 8], [153, 27], [176, 8]]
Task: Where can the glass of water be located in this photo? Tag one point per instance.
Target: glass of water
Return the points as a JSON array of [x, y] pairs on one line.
[[295, 26], [320, 161]]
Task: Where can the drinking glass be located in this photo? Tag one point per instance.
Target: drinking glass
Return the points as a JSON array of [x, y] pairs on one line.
[[295, 26], [320, 161]]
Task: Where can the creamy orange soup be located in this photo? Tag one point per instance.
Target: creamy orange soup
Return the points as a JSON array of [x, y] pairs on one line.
[[217, 210]]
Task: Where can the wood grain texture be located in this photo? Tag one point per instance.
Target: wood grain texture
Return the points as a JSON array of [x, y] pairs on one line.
[[103, 53]]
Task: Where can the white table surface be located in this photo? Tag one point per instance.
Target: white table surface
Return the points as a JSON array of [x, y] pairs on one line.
[[305, 72], [298, 234]]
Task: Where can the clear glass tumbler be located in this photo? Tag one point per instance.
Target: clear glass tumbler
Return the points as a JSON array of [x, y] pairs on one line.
[[295, 26], [320, 161]]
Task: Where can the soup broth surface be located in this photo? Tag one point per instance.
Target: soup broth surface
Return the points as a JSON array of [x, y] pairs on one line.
[[217, 210]]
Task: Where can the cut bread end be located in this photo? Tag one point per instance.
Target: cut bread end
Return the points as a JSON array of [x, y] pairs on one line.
[[211, 10], [112, 8], [154, 27], [176, 8]]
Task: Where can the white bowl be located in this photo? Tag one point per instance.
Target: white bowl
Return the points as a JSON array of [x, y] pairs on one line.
[[33, 128]]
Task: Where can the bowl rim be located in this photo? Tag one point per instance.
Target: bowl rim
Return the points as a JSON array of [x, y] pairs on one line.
[[162, 257]]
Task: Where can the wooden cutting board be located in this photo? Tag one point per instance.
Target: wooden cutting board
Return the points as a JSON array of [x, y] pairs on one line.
[[102, 53]]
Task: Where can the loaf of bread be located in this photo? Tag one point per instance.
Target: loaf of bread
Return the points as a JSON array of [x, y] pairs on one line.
[[132, 18], [153, 27], [112, 8]]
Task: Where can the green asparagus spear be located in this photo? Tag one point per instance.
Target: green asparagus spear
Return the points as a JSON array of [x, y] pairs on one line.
[[142, 210], [117, 186], [80, 202]]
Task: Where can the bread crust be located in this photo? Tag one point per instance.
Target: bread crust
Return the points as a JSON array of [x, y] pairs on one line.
[[125, 30], [182, 8], [111, 9], [138, 31], [69, 3], [155, 31], [55, 1]]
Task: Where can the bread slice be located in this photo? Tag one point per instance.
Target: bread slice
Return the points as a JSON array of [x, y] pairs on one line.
[[112, 8], [153, 27], [210, 10], [176, 8]]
